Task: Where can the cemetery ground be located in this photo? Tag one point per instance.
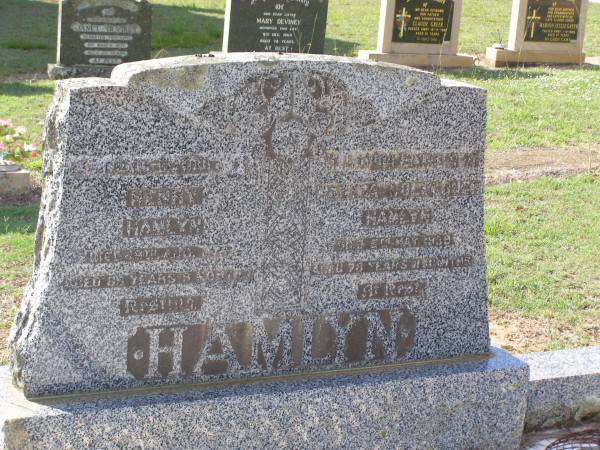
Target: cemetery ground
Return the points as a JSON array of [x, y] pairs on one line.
[[542, 234]]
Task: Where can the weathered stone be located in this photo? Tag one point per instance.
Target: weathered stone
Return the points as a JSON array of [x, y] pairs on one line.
[[275, 26], [250, 215], [96, 35], [564, 387], [465, 405]]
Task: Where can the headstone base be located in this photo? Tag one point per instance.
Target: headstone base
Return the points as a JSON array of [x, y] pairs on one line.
[[420, 59], [470, 404], [501, 57], [15, 182], [593, 60], [59, 72]]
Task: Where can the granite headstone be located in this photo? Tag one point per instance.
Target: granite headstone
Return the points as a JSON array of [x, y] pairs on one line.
[[275, 26], [96, 35], [254, 215]]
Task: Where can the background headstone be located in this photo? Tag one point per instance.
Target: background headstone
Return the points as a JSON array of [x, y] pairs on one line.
[[275, 26], [543, 32], [419, 33], [14, 180], [96, 35]]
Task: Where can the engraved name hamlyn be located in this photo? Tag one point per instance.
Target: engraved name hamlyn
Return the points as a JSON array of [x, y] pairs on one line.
[[270, 345]]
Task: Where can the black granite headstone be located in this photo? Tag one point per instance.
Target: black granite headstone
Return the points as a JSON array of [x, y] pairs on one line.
[[552, 20], [96, 35], [423, 21], [291, 26]]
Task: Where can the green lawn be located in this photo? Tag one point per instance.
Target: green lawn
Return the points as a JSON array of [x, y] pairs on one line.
[[534, 107], [28, 34], [17, 230], [542, 252], [25, 103], [542, 241], [539, 107]]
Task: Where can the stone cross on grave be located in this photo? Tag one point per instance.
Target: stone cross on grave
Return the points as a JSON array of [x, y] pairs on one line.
[[403, 19], [533, 18]]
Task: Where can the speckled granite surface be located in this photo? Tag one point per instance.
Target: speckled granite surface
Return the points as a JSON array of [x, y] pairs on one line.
[[564, 387], [250, 215], [467, 405]]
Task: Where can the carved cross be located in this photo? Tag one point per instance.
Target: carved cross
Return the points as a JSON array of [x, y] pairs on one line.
[[533, 18], [404, 18]]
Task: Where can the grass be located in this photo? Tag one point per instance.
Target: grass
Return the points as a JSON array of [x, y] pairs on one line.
[[534, 107], [542, 252], [25, 103], [17, 230], [28, 35], [539, 107]]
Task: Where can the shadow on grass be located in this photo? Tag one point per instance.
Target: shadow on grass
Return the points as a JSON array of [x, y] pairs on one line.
[[28, 25], [517, 73], [184, 30], [341, 48], [26, 88], [176, 30], [480, 73], [179, 27], [18, 220]]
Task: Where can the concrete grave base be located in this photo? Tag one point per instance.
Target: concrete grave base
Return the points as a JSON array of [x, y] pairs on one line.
[[478, 403], [15, 183], [593, 60], [501, 57], [564, 388], [419, 59], [60, 72]]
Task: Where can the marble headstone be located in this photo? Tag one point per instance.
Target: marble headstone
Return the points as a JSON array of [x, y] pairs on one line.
[[419, 33], [275, 26], [543, 32], [96, 35], [250, 215]]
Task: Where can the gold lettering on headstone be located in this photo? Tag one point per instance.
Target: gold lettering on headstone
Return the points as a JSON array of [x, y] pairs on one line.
[[552, 21]]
